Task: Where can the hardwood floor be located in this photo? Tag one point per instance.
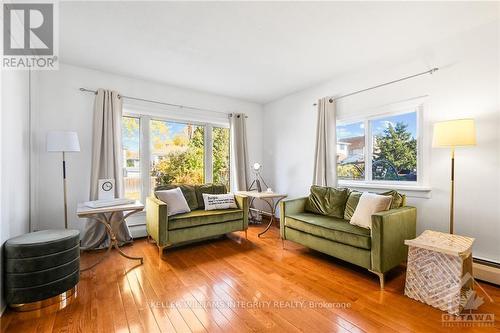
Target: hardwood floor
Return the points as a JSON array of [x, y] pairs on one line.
[[235, 285]]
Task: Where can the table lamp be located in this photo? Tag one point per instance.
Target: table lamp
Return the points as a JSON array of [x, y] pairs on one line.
[[257, 169], [452, 134], [65, 142]]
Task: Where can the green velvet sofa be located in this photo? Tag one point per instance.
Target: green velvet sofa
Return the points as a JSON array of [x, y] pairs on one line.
[[198, 224], [378, 249]]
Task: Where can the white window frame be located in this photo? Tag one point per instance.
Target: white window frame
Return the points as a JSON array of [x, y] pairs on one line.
[[145, 145], [366, 118]]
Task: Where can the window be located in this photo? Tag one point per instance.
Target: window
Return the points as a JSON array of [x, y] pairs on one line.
[[351, 151], [391, 152], [131, 157], [159, 151], [220, 152], [177, 153], [394, 151]]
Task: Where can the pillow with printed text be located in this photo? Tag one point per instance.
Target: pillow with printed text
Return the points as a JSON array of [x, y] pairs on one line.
[[219, 201]]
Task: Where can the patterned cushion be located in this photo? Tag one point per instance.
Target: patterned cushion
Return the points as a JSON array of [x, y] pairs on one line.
[[209, 189]]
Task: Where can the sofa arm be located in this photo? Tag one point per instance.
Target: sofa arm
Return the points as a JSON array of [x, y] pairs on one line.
[[242, 201], [291, 206], [389, 231], [157, 220]]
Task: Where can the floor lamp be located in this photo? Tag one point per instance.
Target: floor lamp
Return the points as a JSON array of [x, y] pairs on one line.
[[452, 134], [63, 142]]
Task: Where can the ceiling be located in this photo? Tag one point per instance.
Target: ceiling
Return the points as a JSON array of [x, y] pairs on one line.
[[256, 51]]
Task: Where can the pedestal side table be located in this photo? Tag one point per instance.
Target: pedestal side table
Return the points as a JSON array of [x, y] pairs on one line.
[[270, 198], [105, 216]]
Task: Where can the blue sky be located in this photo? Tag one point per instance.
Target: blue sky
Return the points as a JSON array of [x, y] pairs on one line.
[[343, 131], [131, 142], [378, 126]]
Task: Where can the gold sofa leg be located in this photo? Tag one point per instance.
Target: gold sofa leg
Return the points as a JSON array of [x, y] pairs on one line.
[[246, 234], [283, 243], [150, 239], [160, 251], [380, 277]]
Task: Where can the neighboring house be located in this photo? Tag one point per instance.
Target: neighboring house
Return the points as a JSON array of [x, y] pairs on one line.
[[349, 147], [342, 150]]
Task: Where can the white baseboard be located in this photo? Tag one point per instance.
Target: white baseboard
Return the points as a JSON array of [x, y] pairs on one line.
[[486, 273]]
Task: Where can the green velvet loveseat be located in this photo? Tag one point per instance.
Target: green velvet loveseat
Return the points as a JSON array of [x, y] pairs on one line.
[[196, 225], [378, 249]]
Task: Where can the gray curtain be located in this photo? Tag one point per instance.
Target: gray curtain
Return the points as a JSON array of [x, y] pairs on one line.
[[325, 157], [106, 163], [239, 150]]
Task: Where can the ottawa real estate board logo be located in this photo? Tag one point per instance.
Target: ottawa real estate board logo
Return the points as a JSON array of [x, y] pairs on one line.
[[30, 36]]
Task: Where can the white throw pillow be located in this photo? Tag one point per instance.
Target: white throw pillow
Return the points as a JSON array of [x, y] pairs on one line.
[[176, 203], [219, 201], [368, 205]]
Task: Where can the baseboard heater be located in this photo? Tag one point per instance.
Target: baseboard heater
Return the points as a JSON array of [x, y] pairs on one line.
[[485, 270], [138, 230]]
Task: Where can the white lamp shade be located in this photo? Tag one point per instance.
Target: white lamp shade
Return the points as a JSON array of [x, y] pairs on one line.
[[454, 133], [62, 141]]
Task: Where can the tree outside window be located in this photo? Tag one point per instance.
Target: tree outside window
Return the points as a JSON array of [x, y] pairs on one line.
[[177, 153], [394, 149], [220, 160]]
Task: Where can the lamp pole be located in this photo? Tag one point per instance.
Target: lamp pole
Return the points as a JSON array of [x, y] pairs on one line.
[[65, 192], [63, 142], [452, 192]]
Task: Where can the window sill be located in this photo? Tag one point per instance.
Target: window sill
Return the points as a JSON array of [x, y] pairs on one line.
[[414, 191]]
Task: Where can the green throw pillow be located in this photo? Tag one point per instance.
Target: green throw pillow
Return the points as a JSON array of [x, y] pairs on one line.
[[327, 201], [398, 199], [187, 190], [351, 204]]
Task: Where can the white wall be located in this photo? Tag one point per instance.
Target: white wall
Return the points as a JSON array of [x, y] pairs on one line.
[[60, 105], [14, 163], [467, 85]]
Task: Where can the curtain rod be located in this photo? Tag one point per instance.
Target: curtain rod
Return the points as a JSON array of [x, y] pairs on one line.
[[162, 103], [431, 71]]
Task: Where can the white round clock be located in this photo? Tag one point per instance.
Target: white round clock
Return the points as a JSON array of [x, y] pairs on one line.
[[107, 186], [106, 189]]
